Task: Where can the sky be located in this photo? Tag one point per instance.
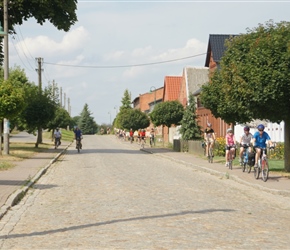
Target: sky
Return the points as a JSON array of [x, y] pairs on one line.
[[133, 45]]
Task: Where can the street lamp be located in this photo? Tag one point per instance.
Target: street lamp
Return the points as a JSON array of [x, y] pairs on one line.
[[154, 89], [116, 110]]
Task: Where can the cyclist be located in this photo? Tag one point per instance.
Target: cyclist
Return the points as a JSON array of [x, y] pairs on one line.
[[131, 135], [152, 136], [230, 144], [245, 139], [139, 136], [78, 136], [57, 136], [209, 137], [259, 141], [143, 135]]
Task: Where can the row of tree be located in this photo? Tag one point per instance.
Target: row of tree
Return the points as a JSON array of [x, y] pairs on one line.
[[165, 113]]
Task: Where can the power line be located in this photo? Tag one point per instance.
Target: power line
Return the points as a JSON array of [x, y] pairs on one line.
[[124, 66]]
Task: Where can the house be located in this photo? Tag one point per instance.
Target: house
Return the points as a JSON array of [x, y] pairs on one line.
[[215, 51], [171, 93]]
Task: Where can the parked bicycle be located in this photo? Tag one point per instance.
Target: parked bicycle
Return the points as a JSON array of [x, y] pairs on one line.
[[245, 160], [263, 166]]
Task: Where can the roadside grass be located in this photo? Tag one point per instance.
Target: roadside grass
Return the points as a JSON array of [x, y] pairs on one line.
[[20, 151]]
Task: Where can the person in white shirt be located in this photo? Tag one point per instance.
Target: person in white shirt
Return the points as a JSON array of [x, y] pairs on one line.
[[57, 137], [245, 139]]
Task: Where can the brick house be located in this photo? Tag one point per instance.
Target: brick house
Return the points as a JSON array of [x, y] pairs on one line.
[[172, 86], [215, 51]]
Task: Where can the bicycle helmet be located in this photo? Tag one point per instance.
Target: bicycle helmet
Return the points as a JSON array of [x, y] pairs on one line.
[[229, 130], [261, 127], [209, 124], [246, 128]]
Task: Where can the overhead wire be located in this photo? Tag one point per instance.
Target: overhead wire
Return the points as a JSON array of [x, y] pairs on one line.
[[123, 66]]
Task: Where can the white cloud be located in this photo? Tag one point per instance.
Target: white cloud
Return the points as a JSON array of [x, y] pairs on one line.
[[139, 52], [114, 56]]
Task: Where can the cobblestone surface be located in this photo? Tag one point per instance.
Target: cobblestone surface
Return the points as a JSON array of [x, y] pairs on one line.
[[113, 196]]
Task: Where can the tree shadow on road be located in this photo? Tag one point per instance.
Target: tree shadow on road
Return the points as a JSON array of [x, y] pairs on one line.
[[97, 224]]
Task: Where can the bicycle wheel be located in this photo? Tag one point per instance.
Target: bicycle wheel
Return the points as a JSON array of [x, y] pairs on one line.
[[249, 168], [265, 170], [257, 171], [244, 165], [210, 155]]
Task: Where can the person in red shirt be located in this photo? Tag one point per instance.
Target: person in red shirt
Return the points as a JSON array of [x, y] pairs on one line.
[[131, 135]]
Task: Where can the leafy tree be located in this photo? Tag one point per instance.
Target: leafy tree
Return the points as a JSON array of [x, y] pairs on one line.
[[254, 79], [86, 121], [135, 119], [61, 119], [38, 113], [190, 130], [60, 13], [167, 113]]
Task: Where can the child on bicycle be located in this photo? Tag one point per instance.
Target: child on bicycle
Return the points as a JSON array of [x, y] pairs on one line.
[[245, 139], [209, 137], [259, 141], [230, 144]]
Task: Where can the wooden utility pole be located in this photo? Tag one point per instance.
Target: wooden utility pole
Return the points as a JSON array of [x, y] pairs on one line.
[[60, 97]]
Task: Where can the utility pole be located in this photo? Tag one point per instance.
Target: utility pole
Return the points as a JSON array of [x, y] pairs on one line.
[[6, 74], [68, 106], [60, 97], [39, 70], [64, 100]]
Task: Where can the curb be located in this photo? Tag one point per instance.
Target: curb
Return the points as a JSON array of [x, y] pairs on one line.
[[16, 196], [222, 175]]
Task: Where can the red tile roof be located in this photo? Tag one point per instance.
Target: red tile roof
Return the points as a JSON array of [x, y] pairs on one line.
[[171, 88]]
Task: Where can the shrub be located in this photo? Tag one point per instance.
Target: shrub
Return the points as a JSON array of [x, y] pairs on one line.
[[278, 153], [220, 144]]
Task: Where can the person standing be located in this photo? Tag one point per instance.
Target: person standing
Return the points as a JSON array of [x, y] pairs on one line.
[[57, 137]]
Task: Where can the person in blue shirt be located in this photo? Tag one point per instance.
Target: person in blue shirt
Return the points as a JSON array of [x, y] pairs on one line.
[[259, 140], [78, 135]]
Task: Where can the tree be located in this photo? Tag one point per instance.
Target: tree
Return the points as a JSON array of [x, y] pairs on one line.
[[86, 121], [135, 119], [12, 96], [61, 14], [190, 130], [167, 113], [61, 119], [254, 79], [126, 105]]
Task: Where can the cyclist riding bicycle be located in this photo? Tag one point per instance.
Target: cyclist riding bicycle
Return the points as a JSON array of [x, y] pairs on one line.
[[57, 136], [245, 139], [131, 133], [259, 140], [78, 136], [143, 135], [230, 144], [152, 135], [209, 137]]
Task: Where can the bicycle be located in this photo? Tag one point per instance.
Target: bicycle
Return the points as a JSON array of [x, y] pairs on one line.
[[131, 139], [245, 160], [152, 140], [209, 152], [142, 142], [78, 144], [56, 143], [263, 166], [231, 157]]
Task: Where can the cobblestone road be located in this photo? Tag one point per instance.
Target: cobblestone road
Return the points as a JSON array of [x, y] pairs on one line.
[[112, 196]]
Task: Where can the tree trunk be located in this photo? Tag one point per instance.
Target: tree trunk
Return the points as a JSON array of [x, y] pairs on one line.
[[287, 145], [39, 137], [1, 137]]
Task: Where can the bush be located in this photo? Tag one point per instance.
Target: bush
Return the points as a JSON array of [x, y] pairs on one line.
[[219, 148], [278, 152]]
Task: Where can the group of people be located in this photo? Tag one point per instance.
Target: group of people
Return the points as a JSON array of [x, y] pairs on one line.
[[258, 140]]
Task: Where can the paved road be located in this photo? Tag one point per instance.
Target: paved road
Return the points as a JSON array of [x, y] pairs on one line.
[[113, 196]]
